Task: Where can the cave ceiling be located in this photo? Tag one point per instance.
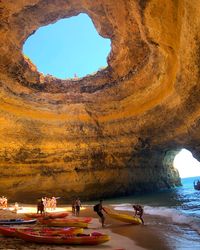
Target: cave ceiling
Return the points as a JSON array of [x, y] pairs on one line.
[[148, 96]]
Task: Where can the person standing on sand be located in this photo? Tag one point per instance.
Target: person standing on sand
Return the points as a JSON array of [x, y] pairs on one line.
[[139, 211], [77, 206], [40, 206], [98, 208], [73, 206]]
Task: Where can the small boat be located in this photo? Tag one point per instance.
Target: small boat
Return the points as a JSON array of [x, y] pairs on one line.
[[74, 219], [63, 223], [197, 185], [123, 217], [17, 222], [52, 215], [7, 231], [61, 231], [79, 239], [11, 231]]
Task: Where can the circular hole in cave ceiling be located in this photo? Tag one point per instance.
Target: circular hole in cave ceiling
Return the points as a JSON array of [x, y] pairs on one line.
[[69, 48]]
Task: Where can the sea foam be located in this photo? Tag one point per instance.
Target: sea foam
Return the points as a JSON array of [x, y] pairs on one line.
[[171, 214], [175, 216]]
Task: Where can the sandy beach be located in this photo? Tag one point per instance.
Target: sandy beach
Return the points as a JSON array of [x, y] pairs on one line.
[[123, 236]]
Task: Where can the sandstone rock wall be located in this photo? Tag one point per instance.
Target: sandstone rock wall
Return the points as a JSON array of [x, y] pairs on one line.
[[107, 134]]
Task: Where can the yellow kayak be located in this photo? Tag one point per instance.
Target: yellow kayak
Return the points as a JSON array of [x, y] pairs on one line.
[[123, 217]]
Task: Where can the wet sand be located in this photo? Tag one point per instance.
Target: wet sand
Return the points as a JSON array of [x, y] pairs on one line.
[[123, 236]]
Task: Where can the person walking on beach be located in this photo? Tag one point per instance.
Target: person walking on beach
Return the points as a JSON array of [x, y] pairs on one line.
[[77, 206], [40, 206], [98, 208], [73, 206], [139, 212]]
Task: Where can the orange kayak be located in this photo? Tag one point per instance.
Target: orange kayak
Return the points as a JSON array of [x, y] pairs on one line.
[[52, 215], [11, 231], [81, 239], [67, 222], [63, 223]]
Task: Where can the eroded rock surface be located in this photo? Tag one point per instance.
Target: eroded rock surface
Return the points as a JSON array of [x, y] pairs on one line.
[[107, 134]]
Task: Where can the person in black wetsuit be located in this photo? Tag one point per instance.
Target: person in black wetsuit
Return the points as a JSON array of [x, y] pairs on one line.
[[139, 212], [98, 208], [40, 206]]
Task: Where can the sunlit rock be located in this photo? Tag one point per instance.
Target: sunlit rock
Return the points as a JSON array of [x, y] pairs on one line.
[[106, 134]]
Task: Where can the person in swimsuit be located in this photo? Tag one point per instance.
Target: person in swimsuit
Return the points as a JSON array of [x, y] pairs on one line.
[[77, 206]]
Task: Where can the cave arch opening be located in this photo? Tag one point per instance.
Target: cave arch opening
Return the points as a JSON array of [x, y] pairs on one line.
[[186, 164], [70, 48]]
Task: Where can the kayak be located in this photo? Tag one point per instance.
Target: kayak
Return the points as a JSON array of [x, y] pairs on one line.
[[61, 231], [67, 222], [74, 219], [123, 217], [79, 219], [17, 221], [80, 239], [11, 231], [52, 215], [63, 223]]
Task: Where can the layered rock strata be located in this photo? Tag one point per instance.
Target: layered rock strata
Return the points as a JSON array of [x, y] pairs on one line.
[[112, 133]]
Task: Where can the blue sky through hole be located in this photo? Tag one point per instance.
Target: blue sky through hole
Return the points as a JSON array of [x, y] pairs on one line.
[[69, 47]]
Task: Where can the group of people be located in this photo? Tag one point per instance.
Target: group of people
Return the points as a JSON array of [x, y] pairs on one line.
[[98, 208], [76, 206], [50, 203], [3, 202], [46, 203]]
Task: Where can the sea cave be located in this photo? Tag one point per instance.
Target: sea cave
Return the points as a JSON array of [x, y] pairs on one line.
[[115, 132]]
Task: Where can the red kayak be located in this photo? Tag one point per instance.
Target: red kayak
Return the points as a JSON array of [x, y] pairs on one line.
[[11, 231], [52, 215], [80, 239]]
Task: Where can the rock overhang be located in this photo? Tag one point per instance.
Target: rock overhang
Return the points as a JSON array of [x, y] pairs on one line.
[[139, 94], [130, 45]]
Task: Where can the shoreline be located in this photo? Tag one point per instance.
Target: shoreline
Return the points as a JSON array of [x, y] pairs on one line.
[[123, 236], [141, 236]]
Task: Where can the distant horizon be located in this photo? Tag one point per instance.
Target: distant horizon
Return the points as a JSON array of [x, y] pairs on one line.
[[196, 176], [69, 48]]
